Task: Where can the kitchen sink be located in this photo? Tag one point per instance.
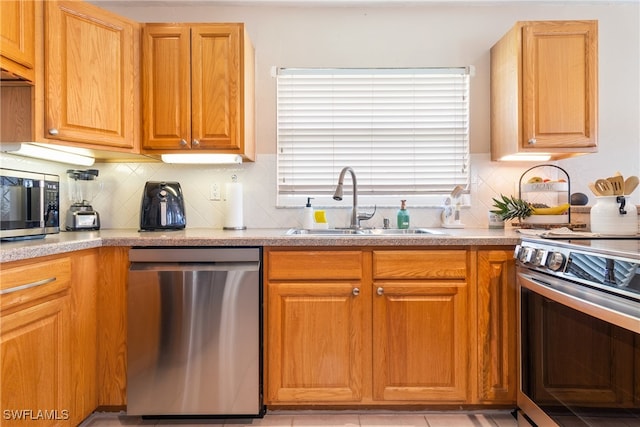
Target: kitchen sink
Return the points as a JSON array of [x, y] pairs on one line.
[[365, 232]]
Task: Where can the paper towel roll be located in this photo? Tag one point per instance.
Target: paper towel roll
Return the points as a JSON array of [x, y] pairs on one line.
[[233, 218]]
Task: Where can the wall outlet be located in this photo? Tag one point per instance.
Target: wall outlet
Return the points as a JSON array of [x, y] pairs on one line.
[[214, 192]]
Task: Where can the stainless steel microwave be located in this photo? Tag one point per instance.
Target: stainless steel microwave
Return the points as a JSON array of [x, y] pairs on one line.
[[29, 204]]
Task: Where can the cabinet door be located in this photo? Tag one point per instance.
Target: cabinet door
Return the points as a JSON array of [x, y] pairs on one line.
[[84, 285], [35, 360], [17, 37], [420, 341], [112, 326], [314, 342], [559, 84], [91, 76], [497, 370], [216, 87], [166, 87]]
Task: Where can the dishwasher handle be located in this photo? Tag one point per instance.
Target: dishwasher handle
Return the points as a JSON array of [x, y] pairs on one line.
[[195, 266]]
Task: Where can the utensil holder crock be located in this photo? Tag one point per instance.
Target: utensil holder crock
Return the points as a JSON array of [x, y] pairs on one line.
[[615, 216]]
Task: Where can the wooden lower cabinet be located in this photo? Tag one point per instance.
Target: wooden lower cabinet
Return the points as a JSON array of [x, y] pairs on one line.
[[36, 359], [496, 308], [420, 334], [389, 327], [316, 353], [420, 344], [84, 288], [35, 349], [343, 327], [316, 313], [48, 339], [112, 327]]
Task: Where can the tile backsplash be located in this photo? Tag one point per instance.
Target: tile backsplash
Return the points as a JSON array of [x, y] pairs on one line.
[[118, 202]]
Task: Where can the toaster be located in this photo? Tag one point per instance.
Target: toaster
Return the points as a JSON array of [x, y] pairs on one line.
[[162, 207]]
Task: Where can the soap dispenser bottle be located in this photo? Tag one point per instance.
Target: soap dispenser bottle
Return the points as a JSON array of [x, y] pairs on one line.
[[403, 215], [308, 220]]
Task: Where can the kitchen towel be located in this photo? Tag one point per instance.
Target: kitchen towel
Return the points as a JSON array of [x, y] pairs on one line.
[[561, 232], [233, 218]]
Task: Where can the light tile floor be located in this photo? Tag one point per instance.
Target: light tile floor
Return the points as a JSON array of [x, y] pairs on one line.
[[318, 419]]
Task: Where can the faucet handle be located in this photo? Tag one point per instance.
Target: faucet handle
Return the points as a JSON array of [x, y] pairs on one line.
[[363, 216]]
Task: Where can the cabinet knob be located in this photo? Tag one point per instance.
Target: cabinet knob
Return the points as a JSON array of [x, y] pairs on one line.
[[356, 291], [195, 143], [380, 291], [532, 141], [53, 131], [183, 143]]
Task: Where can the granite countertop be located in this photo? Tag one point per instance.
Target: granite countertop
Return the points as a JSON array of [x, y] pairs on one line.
[[78, 240]]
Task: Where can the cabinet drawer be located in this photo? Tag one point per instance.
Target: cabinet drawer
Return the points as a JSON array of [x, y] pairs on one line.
[[22, 283], [420, 264], [314, 265]]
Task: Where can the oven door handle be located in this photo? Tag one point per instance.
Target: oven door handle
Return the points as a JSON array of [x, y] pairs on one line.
[[601, 305]]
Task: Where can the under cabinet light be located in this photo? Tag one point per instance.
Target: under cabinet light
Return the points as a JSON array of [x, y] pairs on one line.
[[219, 159], [46, 152], [527, 157]]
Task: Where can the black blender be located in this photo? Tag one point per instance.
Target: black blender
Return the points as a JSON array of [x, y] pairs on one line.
[[83, 187]]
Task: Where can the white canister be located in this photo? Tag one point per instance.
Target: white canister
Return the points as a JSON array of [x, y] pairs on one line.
[[615, 216]]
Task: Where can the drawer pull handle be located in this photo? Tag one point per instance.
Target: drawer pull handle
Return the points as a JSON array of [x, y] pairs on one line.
[[356, 291], [28, 286], [380, 291]]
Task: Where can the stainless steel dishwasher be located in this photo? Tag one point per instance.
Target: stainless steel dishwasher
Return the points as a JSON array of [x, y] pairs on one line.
[[194, 332]]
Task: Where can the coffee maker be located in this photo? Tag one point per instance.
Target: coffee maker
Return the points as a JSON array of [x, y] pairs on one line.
[[83, 187]]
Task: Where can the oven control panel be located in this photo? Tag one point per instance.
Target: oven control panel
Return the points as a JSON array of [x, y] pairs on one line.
[[615, 274], [539, 257]]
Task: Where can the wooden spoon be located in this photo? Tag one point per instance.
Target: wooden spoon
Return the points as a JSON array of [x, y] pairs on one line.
[[617, 183], [594, 190], [604, 187], [630, 184]]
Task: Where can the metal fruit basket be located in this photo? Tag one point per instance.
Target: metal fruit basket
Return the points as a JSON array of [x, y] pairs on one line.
[[560, 186]]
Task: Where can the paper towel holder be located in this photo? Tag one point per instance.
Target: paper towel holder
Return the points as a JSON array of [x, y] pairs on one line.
[[234, 180]]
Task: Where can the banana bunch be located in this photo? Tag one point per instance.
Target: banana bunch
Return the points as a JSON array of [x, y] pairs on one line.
[[554, 210]]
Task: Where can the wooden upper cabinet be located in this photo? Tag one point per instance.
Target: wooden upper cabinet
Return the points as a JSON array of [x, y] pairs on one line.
[[166, 86], [544, 89], [18, 32], [91, 77], [198, 89]]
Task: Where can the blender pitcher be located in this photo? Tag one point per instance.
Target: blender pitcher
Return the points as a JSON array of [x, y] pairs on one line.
[[83, 187]]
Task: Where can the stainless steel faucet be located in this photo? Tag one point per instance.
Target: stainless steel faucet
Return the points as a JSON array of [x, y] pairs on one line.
[[355, 216]]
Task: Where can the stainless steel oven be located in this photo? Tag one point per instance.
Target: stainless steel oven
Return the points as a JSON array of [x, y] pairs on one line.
[[579, 340]]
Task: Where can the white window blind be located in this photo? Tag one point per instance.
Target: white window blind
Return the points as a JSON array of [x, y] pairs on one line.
[[403, 131]]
